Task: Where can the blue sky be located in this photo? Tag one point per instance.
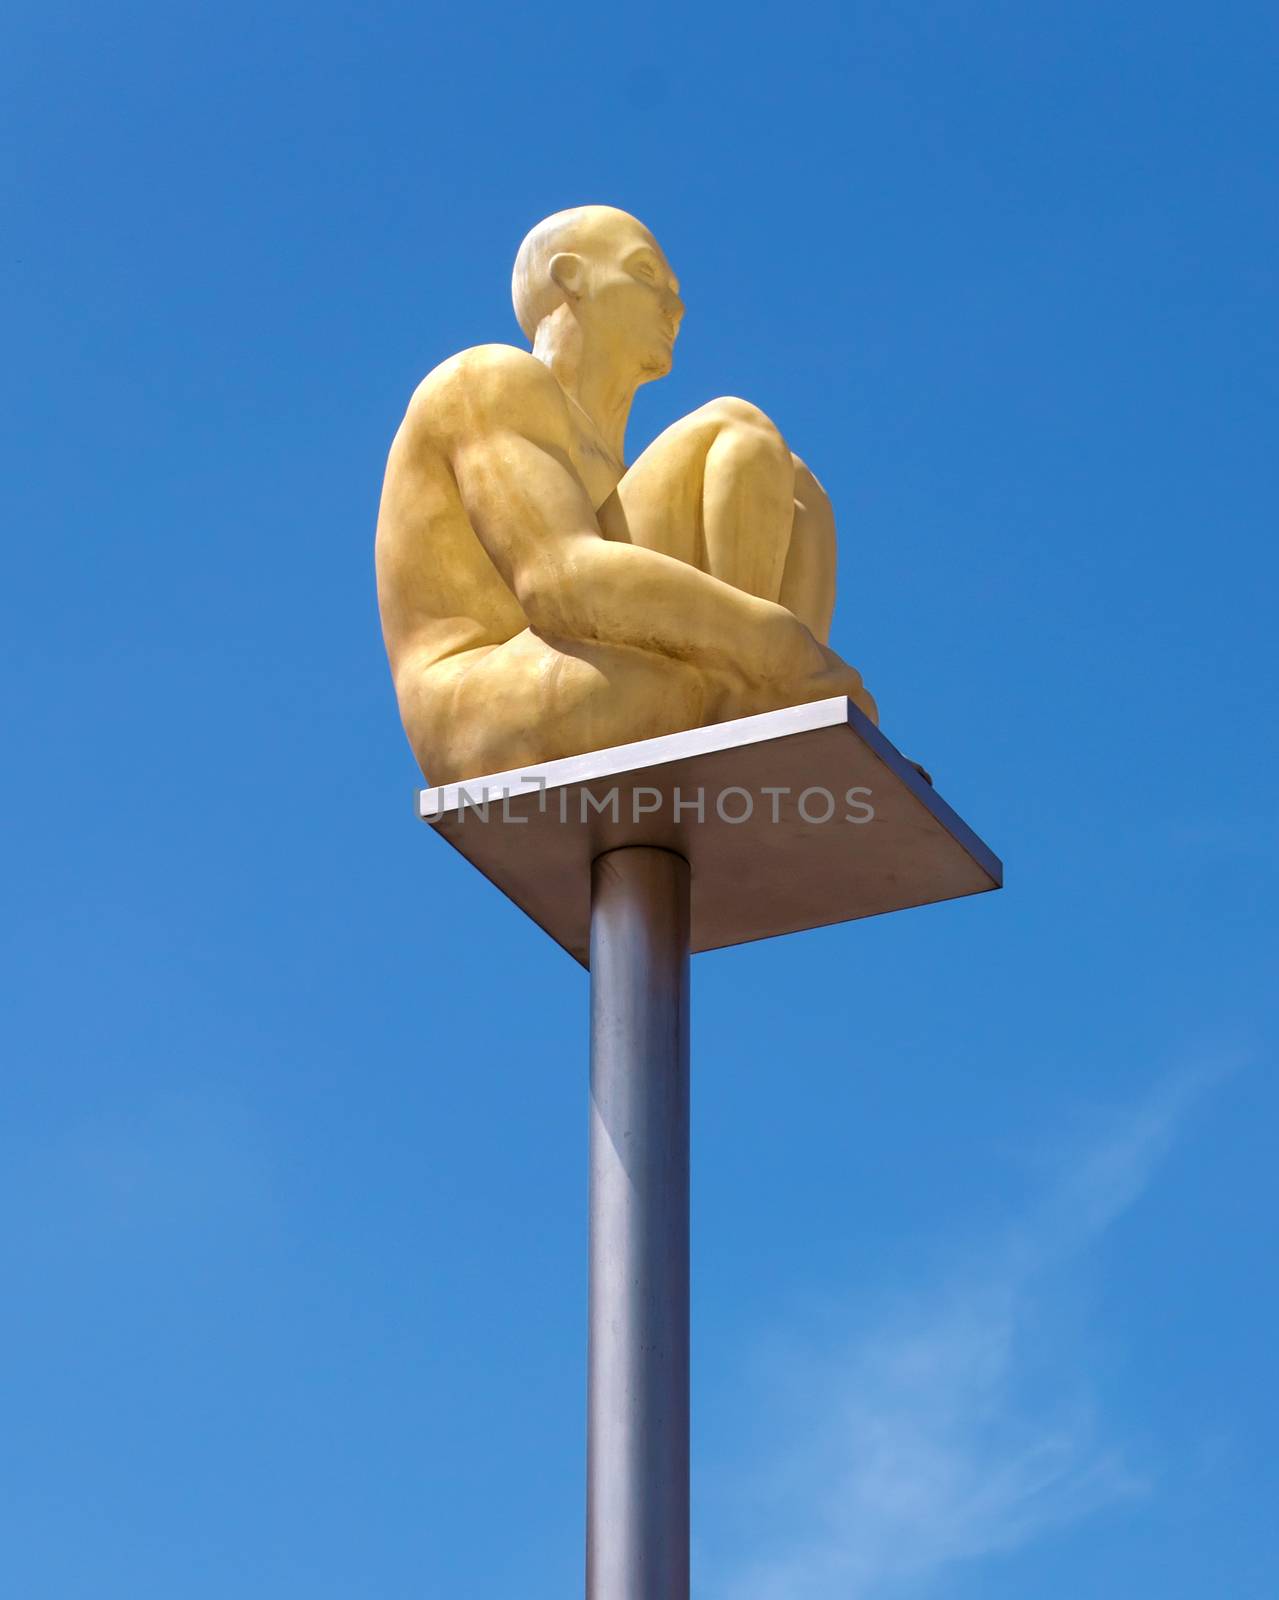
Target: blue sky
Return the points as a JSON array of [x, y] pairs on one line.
[[292, 1117]]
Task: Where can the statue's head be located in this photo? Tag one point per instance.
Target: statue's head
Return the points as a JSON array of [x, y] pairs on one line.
[[600, 269]]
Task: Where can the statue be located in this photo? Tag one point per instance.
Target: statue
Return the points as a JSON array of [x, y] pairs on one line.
[[540, 598]]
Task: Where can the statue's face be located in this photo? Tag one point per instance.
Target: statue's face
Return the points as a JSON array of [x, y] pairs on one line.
[[632, 304]]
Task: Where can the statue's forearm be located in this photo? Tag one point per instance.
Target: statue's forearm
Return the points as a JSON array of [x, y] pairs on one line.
[[623, 594]]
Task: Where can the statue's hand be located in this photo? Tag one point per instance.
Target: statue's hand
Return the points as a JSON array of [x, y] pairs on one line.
[[837, 677], [802, 669], [789, 654]]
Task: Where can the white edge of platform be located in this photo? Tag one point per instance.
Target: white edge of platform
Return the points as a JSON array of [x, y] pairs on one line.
[[436, 805]]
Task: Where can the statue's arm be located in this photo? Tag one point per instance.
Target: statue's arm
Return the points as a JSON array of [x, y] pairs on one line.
[[508, 441]]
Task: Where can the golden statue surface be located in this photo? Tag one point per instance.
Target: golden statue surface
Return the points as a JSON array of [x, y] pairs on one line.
[[540, 598]]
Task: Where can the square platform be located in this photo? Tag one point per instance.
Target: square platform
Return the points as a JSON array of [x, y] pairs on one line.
[[778, 843]]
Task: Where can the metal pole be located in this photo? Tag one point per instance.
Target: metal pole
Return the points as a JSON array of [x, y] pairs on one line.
[[637, 1382]]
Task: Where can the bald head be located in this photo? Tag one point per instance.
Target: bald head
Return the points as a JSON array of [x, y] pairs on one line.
[[586, 231]]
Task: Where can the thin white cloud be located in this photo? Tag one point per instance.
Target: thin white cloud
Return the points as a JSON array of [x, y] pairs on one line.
[[961, 1422]]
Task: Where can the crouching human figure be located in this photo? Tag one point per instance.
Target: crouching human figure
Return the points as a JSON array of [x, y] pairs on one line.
[[541, 599]]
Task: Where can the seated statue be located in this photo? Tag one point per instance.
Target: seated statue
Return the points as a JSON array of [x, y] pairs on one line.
[[540, 598]]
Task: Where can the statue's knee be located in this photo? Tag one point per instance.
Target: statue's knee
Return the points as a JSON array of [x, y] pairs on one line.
[[808, 490], [745, 443], [730, 412]]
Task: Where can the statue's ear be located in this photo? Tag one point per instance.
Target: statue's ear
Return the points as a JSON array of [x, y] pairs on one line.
[[568, 272]]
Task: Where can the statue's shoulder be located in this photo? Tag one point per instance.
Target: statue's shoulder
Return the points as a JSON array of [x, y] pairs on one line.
[[489, 384]]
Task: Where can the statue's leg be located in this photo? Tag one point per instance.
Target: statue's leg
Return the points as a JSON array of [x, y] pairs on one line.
[[717, 490], [808, 583]]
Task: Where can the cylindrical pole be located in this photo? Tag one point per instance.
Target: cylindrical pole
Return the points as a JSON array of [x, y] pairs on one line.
[[637, 1382]]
